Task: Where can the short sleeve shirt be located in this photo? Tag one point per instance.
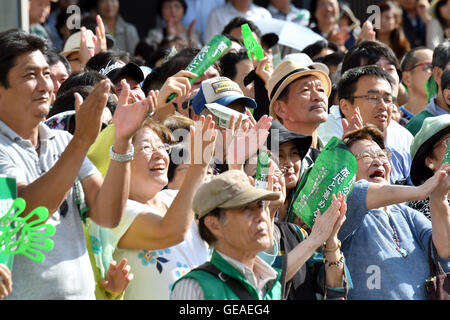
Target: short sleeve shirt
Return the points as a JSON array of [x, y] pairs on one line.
[[66, 272]]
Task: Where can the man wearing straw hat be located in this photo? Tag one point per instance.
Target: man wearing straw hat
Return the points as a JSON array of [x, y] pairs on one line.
[[298, 95]]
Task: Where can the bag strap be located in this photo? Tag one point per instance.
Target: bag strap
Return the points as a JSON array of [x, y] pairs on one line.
[[433, 261], [232, 283]]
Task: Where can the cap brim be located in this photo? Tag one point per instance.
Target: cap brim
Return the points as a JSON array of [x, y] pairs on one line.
[[249, 102], [248, 197], [130, 69]]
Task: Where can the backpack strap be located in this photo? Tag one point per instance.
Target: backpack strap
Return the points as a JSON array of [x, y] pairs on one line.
[[232, 283]]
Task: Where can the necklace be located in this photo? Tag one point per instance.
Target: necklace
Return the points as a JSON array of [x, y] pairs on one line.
[[403, 252]]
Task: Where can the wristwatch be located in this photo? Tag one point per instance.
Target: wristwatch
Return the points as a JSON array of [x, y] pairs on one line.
[[119, 157]]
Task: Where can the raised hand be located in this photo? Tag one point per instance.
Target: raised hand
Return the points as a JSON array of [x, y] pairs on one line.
[[5, 281], [100, 33], [325, 224], [441, 183], [248, 139], [367, 32], [178, 84], [202, 141], [89, 112], [85, 52], [117, 278], [263, 68], [128, 118], [356, 122]]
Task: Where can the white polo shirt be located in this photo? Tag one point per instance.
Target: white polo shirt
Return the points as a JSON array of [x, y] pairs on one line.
[[66, 272]]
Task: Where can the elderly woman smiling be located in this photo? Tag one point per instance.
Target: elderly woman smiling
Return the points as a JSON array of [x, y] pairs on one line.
[[384, 241]]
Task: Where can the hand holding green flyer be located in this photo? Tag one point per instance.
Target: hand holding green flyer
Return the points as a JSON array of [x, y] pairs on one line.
[[334, 170], [209, 54], [446, 155]]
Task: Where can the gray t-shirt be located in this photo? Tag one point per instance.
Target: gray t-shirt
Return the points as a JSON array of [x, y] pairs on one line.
[[66, 272]]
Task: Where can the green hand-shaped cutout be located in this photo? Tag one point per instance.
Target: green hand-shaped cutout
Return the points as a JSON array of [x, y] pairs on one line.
[[20, 236]]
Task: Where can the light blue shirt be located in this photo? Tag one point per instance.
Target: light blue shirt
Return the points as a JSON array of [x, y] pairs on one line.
[[377, 268]]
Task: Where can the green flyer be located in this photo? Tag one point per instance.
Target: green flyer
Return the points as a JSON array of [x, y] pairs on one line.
[[8, 192], [334, 170]]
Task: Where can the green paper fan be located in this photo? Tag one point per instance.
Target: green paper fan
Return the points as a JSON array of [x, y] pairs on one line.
[[22, 236]]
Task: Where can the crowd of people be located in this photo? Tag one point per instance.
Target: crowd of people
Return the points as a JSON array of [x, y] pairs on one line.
[[151, 173]]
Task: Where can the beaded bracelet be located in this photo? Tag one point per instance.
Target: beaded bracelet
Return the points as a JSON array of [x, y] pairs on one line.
[[335, 263], [325, 249]]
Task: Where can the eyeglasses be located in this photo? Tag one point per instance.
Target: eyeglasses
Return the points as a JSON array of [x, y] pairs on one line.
[[426, 66], [149, 150], [375, 99], [369, 156]]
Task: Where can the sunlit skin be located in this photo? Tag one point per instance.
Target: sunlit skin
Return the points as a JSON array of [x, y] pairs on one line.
[[148, 171], [136, 93], [38, 11], [372, 170], [29, 94], [434, 159], [248, 227], [58, 73], [380, 114]]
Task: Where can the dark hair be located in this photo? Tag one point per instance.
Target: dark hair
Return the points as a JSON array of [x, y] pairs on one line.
[[53, 58], [145, 50], [367, 53], [368, 132], [85, 78], [399, 43], [100, 60], [66, 102], [229, 61], [410, 58], [89, 22], [61, 20], [178, 62], [204, 231], [161, 3], [445, 80], [441, 54], [314, 49], [348, 84], [238, 22], [443, 22], [332, 59], [13, 43]]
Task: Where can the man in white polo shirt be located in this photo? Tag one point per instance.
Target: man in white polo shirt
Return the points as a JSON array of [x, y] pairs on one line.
[[50, 166]]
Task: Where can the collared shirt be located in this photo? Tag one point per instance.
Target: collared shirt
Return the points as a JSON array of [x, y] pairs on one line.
[[221, 16], [295, 14], [66, 272], [434, 109], [262, 273], [397, 138]]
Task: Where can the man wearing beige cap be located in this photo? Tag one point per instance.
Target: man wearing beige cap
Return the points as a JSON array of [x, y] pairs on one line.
[[298, 95], [234, 219]]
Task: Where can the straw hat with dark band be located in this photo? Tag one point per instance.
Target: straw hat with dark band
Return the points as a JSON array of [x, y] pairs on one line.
[[289, 71]]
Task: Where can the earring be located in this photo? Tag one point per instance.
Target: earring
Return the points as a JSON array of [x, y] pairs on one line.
[[431, 166]]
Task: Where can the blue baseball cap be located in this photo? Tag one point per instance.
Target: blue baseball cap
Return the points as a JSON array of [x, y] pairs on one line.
[[220, 90]]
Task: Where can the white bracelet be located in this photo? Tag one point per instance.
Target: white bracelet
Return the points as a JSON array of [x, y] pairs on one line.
[[119, 157]]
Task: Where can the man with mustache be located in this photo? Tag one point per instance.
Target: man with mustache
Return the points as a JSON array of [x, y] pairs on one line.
[[298, 97]]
